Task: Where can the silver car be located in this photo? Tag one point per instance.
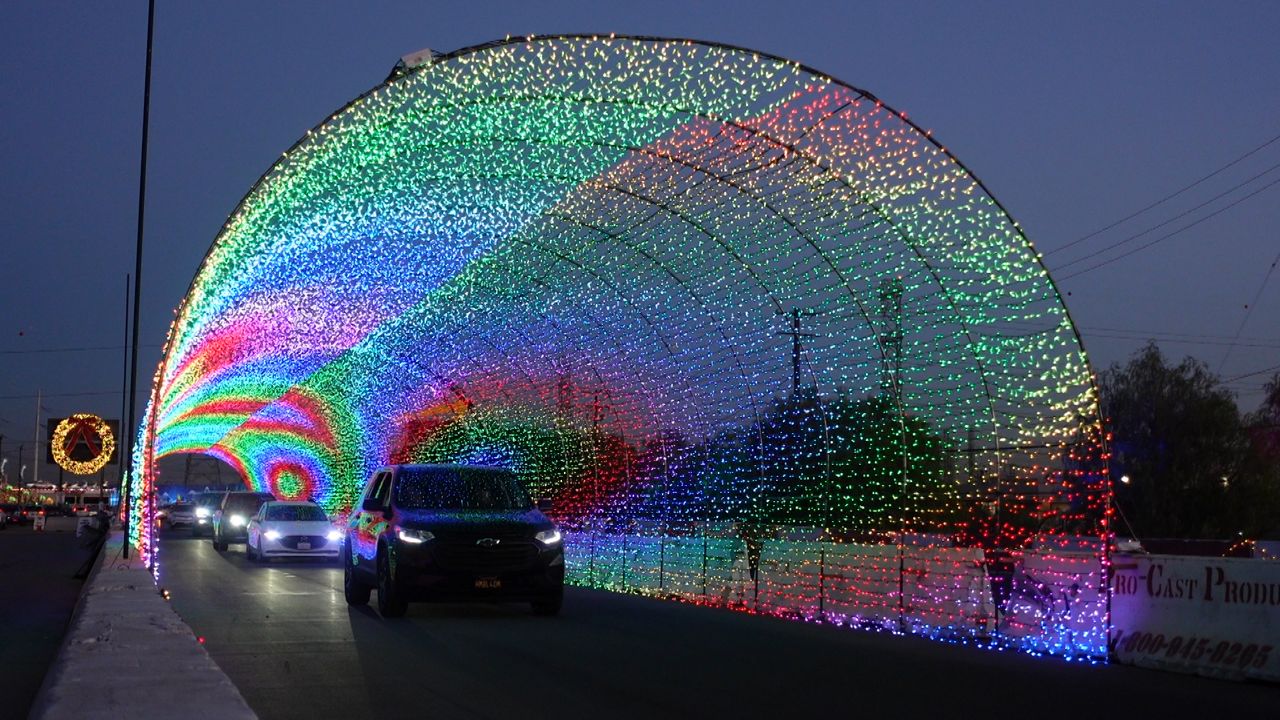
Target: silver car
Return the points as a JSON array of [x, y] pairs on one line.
[[182, 515]]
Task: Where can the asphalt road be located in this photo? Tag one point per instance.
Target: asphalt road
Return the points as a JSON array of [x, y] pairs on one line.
[[288, 640], [37, 598]]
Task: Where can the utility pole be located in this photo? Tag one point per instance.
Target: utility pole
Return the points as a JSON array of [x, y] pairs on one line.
[[121, 442], [132, 399], [795, 334], [891, 339], [36, 455], [890, 292]]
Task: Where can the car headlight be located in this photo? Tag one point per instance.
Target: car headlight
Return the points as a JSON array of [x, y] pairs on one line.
[[334, 535], [548, 537], [202, 512], [271, 535], [414, 537], [237, 520]]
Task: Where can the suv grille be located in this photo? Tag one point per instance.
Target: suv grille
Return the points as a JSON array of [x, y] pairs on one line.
[[467, 556]]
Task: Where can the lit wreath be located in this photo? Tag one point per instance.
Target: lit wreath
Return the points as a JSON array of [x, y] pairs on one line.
[[85, 467]]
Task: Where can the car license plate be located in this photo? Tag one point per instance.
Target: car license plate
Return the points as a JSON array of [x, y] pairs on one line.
[[488, 583], [304, 546]]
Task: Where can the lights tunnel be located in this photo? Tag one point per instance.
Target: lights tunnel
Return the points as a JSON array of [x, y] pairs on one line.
[[759, 338]]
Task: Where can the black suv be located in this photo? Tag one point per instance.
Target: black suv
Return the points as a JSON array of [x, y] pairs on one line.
[[231, 520], [450, 532]]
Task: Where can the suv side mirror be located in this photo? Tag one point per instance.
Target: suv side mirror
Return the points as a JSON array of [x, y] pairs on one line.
[[372, 505]]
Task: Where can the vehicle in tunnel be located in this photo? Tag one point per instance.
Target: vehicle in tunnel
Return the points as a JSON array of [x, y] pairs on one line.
[[182, 514], [231, 520], [451, 533], [297, 529], [206, 504]]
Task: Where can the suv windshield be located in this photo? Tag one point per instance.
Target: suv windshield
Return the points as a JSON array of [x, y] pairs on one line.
[[295, 513], [460, 489], [247, 503]]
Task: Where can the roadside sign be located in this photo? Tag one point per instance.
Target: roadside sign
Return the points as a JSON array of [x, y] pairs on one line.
[[38, 523]]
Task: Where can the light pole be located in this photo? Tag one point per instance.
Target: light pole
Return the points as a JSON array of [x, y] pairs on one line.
[[128, 433]]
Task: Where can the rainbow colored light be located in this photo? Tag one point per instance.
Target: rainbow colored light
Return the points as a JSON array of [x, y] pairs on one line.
[[593, 259]]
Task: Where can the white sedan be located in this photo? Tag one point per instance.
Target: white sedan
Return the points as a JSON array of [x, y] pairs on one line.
[[291, 529]]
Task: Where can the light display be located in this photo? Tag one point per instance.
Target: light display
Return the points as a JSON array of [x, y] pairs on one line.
[[761, 340], [88, 431]]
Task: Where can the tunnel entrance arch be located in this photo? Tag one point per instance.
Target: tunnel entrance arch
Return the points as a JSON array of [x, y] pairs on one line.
[[759, 337]]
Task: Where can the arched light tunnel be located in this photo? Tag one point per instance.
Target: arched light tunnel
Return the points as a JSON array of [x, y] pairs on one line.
[[760, 338]]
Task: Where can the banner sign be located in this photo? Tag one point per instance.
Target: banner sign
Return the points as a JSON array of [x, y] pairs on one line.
[[1218, 617]]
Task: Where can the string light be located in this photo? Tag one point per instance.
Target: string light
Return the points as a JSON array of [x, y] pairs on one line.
[[82, 423], [761, 340]]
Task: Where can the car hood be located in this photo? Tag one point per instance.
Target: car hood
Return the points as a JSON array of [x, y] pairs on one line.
[[469, 522]]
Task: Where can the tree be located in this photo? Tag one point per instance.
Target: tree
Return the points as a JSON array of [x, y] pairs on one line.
[[1260, 496], [1180, 439]]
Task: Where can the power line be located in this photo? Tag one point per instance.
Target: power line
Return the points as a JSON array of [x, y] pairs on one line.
[[1166, 236], [74, 394], [1252, 374], [1180, 341], [1204, 336], [1179, 216], [1164, 199], [1248, 310], [85, 348]]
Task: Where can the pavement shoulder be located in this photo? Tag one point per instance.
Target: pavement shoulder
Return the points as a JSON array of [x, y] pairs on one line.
[[128, 654]]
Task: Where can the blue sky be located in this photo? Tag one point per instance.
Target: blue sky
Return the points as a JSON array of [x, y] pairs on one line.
[[1074, 115]]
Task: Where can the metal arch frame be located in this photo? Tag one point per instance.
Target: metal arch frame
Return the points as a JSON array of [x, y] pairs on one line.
[[148, 455]]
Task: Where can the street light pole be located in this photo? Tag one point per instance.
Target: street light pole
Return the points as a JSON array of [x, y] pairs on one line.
[[128, 431], [121, 428]]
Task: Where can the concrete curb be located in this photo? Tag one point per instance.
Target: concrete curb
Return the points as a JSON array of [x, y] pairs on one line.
[[128, 654]]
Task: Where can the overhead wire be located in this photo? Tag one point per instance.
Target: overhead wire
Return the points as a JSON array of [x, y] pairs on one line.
[[83, 348], [1248, 310], [1168, 235], [1166, 198], [1179, 216], [1255, 373]]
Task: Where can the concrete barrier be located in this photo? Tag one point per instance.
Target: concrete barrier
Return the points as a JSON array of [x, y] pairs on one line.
[[128, 654]]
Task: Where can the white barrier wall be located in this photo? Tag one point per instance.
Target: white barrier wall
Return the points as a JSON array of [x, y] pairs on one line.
[[1057, 603], [945, 591], [1210, 616], [702, 569]]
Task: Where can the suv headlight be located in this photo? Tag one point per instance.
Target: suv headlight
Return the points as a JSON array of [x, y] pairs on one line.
[[548, 537], [334, 535], [271, 535], [414, 537], [238, 520], [202, 512]]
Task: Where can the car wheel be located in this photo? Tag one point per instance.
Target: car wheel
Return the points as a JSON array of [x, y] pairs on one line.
[[355, 590], [391, 604], [549, 605], [251, 553]]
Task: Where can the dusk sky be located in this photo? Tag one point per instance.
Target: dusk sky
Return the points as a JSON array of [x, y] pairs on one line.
[[1075, 116]]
